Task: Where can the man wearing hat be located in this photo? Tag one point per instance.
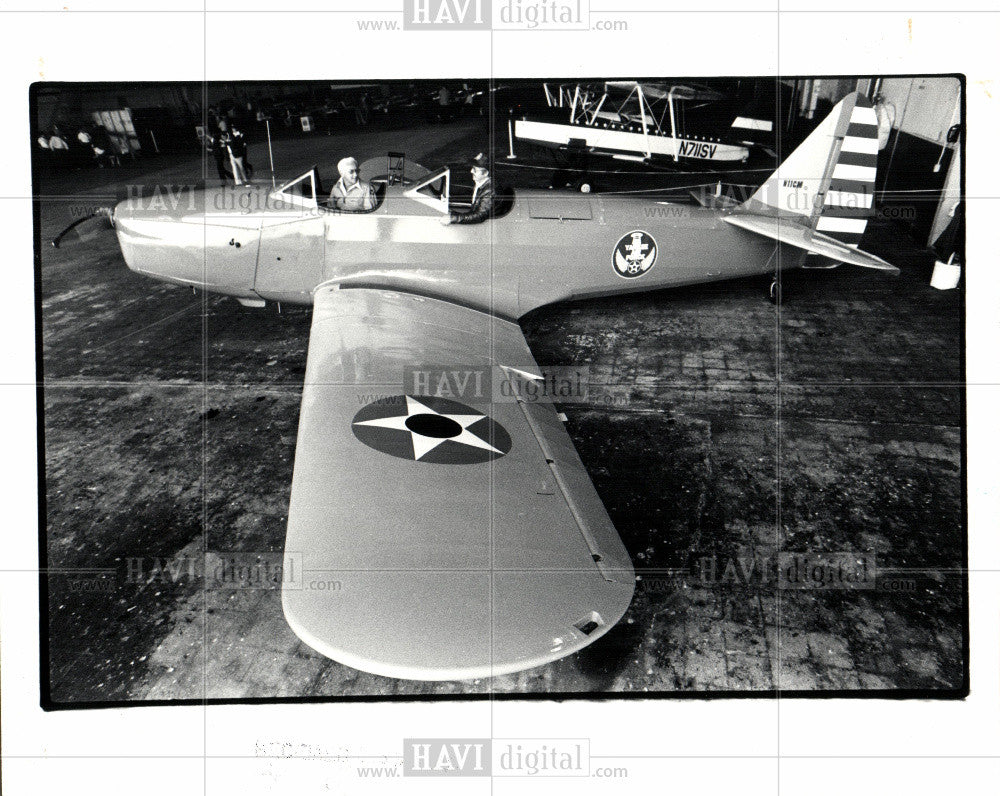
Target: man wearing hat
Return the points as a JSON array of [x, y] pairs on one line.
[[350, 193], [482, 195]]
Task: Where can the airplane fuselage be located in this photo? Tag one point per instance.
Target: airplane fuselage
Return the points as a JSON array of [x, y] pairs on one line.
[[550, 246]]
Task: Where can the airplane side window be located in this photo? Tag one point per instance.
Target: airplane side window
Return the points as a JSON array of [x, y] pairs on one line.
[[433, 191], [300, 192]]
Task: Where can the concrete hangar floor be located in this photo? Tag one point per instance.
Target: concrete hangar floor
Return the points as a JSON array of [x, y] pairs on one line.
[[720, 431]]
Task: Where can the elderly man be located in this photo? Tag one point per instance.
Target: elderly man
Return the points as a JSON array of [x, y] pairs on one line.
[[351, 193], [482, 195]]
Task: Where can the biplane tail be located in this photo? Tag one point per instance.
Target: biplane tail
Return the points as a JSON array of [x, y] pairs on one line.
[[820, 198]]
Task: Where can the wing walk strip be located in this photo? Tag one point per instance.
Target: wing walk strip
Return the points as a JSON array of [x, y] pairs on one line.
[[550, 458]]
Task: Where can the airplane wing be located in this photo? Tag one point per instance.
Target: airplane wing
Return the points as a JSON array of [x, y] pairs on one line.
[[788, 231], [446, 536]]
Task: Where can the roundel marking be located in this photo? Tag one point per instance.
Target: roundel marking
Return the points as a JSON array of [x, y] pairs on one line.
[[427, 429], [634, 254]]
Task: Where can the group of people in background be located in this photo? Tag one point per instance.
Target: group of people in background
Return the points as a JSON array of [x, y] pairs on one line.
[[89, 146]]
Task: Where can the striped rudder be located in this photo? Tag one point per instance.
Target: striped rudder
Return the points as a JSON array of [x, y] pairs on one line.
[[847, 201], [827, 183]]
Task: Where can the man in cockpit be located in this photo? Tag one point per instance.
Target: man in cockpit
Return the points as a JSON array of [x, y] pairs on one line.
[[351, 193], [482, 195]]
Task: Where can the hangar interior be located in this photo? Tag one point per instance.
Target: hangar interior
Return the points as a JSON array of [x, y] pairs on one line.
[[721, 431]]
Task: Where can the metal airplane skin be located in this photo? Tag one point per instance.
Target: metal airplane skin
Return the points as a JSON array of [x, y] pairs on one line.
[[464, 530]]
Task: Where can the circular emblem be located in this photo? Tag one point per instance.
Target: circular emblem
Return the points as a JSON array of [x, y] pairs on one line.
[[434, 430], [634, 254]]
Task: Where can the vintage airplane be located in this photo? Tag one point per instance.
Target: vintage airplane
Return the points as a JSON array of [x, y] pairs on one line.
[[630, 120], [462, 526]]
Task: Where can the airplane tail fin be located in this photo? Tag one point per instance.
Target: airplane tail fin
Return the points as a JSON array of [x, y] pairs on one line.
[[827, 183]]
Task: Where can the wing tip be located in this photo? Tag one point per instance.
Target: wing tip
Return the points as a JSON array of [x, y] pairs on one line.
[[412, 669]]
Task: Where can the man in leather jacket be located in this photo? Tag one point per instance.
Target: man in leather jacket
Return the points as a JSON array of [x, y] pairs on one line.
[[483, 199]]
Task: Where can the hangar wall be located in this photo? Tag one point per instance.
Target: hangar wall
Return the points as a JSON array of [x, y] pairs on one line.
[[920, 180], [925, 107]]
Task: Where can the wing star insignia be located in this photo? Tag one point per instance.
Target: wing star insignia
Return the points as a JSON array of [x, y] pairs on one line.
[[429, 429]]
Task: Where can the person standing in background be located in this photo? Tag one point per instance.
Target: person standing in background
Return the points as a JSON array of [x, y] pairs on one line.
[[234, 143], [219, 153]]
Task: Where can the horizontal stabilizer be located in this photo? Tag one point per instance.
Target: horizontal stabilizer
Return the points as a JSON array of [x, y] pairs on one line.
[[794, 234]]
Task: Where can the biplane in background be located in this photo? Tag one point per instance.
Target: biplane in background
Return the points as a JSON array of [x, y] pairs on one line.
[[640, 121]]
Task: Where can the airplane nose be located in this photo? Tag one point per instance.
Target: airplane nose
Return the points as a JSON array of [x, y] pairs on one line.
[[121, 215], [121, 211]]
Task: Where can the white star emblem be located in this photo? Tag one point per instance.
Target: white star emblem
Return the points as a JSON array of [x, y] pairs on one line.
[[425, 443]]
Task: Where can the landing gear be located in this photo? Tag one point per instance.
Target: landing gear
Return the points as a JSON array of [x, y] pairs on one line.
[[774, 291]]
